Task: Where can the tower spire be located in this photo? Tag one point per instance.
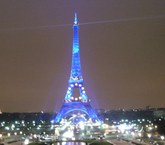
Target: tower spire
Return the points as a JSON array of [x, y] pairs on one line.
[[75, 19]]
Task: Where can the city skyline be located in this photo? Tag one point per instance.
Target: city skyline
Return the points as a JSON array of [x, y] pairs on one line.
[[122, 53]]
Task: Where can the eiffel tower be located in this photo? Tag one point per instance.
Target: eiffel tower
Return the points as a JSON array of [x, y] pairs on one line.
[[76, 104]]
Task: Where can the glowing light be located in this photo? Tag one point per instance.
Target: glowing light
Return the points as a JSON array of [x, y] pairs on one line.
[[12, 126], [105, 126], [140, 134], [68, 92], [73, 138], [64, 139], [52, 121], [68, 134], [132, 133], [124, 127], [26, 141], [8, 134], [81, 125], [57, 132], [124, 20], [80, 85], [7, 128], [150, 128], [75, 19], [149, 135], [162, 137], [127, 132]]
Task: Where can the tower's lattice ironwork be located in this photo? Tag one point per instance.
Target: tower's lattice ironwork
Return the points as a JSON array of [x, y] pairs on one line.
[[73, 103]]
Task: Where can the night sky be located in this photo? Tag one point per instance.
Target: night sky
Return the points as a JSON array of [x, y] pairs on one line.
[[122, 44]]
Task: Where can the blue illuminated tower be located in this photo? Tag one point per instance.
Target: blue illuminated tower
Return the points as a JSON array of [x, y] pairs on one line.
[[80, 104]]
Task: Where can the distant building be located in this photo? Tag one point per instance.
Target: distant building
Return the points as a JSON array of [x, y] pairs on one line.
[[160, 112]]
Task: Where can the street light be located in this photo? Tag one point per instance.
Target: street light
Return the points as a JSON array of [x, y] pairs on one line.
[[140, 134], [26, 141], [8, 134], [162, 137], [149, 135]]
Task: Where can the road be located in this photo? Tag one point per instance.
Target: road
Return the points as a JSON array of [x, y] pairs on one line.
[[122, 142], [119, 142], [16, 143]]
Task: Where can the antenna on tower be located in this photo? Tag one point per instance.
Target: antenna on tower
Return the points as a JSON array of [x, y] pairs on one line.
[[75, 19]]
